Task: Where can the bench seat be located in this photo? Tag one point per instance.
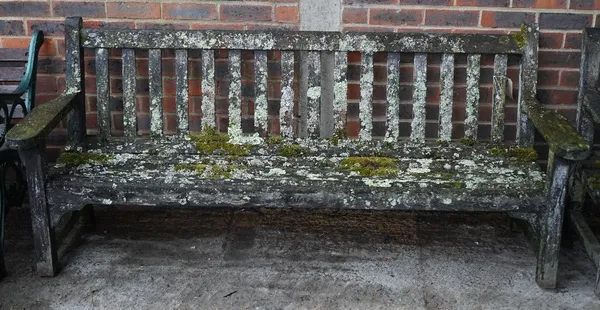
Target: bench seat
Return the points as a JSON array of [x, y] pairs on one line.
[[371, 175]]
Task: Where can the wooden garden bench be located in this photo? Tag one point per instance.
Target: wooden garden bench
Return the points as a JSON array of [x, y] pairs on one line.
[[18, 68], [586, 176], [310, 163]]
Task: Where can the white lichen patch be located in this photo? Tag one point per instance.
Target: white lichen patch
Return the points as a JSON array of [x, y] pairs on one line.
[[378, 182], [276, 171], [366, 96]]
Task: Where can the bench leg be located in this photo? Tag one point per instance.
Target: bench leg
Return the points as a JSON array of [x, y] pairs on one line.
[[43, 235], [3, 207], [551, 221]]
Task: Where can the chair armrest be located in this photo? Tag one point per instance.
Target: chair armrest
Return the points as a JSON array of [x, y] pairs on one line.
[[36, 126], [563, 139]]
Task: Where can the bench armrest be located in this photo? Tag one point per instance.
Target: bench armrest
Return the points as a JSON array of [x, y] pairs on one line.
[[36, 126], [563, 139], [591, 103]]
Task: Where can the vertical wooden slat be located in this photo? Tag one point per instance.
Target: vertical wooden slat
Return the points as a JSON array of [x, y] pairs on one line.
[[156, 91], [260, 92], [74, 78], [527, 83], [102, 92], [393, 97], [499, 97], [208, 89], [589, 75], [235, 94], [182, 93], [473, 75], [129, 113], [313, 94], [366, 96], [286, 107], [446, 97], [417, 133], [340, 89]]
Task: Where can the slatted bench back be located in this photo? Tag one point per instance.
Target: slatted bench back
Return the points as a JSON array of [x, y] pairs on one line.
[[313, 44]]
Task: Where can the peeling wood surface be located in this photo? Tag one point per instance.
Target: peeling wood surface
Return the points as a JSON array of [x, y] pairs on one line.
[[129, 98], [303, 40]]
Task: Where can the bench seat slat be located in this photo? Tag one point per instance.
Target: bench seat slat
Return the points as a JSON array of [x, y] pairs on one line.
[[260, 92], [182, 97], [393, 97], [208, 89], [129, 94], [313, 95], [366, 96], [340, 92], [472, 107], [103, 92], [417, 133], [499, 97], [14, 54], [156, 91], [286, 107], [446, 97], [11, 74]]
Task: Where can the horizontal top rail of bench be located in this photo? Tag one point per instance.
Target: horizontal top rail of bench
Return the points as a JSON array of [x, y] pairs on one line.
[[305, 40]]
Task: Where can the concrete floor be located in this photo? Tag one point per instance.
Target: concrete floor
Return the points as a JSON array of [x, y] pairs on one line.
[[221, 259]]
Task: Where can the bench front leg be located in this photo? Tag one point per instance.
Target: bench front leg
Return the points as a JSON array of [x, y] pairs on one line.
[[551, 222], [43, 236]]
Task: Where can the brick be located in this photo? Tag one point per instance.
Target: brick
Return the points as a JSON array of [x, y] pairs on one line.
[[107, 24], [218, 26], [427, 2], [564, 21], [506, 19], [585, 4], [271, 27], [80, 8], [493, 3], [451, 18], [557, 96], [165, 26], [246, 12], [354, 16], [396, 17], [569, 78], [133, 10], [548, 77], [573, 41], [46, 84], [287, 14], [11, 28], [25, 9], [51, 65], [540, 4], [553, 59], [551, 40], [48, 47], [195, 11], [50, 28], [368, 29], [367, 2]]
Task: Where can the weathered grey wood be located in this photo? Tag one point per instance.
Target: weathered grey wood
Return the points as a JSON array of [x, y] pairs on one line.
[[417, 133], [313, 94], [3, 207], [393, 97], [182, 93], [156, 91], [368, 42], [446, 97], [590, 242], [129, 98], [327, 125], [75, 83], [11, 74], [286, 107], [340, 92], [43, 236], [7, 89], [260, 93], [527, 83], [587, 98], [103, 92], [235, 94], [208, 89], [499, 97], [365, 112], [14, 54], [551, 222], [472, 107]]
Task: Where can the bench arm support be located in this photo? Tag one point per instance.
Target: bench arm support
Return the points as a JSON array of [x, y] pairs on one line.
[[36, 126], [563, 139]]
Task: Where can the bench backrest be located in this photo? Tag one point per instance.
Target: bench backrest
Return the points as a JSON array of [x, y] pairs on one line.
[[588, 100], [307, 112]]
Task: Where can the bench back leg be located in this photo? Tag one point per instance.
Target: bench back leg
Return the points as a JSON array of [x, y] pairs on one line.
[[551, 221], [43, 236]]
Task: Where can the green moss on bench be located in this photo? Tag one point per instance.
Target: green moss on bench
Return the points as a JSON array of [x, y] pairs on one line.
[[209, 141], [214, 172], [78, 158], [521, 154], [371, 166]]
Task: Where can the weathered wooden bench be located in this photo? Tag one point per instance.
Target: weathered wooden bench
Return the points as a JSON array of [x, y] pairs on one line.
[[310, 163], [586, 175], [18, 68]]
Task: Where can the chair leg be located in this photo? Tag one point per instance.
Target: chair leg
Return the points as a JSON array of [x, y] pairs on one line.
[[43, 235], [551, 222]]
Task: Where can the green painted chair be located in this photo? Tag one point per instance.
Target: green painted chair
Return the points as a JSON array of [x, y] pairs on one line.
[[18, 67]]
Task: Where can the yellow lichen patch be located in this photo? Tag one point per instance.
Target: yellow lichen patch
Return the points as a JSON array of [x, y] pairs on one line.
[[521, 154], [210, 142], [275, 140], [292, 150], [213, 172], [371, 166], [339, 135], [468, 142], [77, 158]]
